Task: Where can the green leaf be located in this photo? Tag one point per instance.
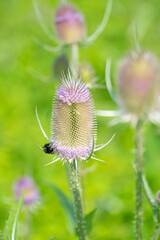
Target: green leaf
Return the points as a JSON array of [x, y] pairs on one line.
[[148, 190], [89, 221], [151, 199], [10, 231], [67, 205]]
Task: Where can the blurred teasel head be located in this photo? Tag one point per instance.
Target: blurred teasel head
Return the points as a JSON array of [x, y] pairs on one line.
[[138, 83], [31, 192], [69, 24], [70, 28], [60, 66], [86, 72], [73, 121]]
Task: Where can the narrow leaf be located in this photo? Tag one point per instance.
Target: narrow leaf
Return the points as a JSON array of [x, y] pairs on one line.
[[89, 221], [147, 189], [12, 222], [151, 199], [67, 205]]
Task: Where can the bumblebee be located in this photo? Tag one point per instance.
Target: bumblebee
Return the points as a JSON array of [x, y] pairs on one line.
[[48, 148]]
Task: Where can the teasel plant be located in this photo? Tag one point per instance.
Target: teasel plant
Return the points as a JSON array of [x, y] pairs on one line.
[[69, 33], [70, 29], [73, 137], [77, 139], [138, 88]]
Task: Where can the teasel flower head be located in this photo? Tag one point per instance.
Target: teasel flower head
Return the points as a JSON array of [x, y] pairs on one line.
[[70, 27], [137, 83], [69, 24], [138, 87], [31, 192], [73, 123]]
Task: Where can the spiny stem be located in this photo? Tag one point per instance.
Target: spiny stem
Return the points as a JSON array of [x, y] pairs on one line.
[[83, 182], [74, 68], [139, 171], [74, 59], [80, 223]]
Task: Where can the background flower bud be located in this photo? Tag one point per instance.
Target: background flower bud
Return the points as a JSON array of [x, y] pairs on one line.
[[60, 66], [31, 192], [69, 24], [137, 82], [86, 72], [73, 121]]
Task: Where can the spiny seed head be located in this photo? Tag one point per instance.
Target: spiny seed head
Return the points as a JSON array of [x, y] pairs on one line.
[[137, 82], [31, 193], [73, 121], [69, 24]]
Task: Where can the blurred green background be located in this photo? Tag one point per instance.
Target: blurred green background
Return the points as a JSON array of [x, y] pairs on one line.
[[110, 187]]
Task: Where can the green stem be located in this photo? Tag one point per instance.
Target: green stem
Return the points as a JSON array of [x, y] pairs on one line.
[[83, 182], [139, 171], [156, 232], [74, 59], [80, 223]]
